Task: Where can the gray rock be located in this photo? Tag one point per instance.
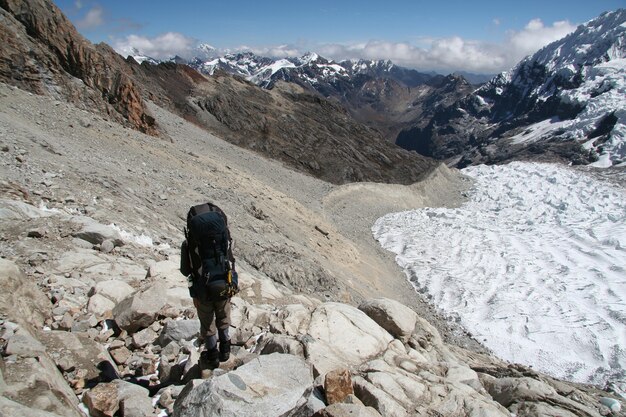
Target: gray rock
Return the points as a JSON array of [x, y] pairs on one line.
[[179, 330], [100, 305], [14, 409], [95, 232], [22, 343], [377, 398], [144, 337], [76, 349], [113, 289], [134, 400], [21, 301], [341, 335], [107, 246], [38, 384], [271, 385], [18, 210], [140, 310], [282, 344], [396, 318], [171, 350]]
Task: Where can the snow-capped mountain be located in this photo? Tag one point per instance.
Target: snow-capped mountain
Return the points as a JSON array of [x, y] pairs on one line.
[[569, 99], [309, 69]]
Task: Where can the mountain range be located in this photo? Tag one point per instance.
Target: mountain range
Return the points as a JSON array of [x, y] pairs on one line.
[[564, 102]]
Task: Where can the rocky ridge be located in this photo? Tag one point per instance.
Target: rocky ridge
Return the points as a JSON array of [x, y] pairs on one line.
[[564, 102], [96, 315], [42, 52]]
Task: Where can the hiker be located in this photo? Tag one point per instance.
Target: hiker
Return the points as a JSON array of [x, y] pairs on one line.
[[209, 265]]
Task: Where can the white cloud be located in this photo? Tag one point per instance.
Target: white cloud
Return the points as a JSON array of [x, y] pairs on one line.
[[536, 35], [93, 18], [163, 46], [496, 21], [455, 53], [443, 55]]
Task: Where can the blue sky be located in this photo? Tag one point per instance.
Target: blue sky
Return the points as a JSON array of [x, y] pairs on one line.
[[445, 36]]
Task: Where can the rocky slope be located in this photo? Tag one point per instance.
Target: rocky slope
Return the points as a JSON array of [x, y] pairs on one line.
[[567, 100], [96, 315]]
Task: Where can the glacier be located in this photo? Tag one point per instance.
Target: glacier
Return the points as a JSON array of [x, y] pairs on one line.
[[533, 265]]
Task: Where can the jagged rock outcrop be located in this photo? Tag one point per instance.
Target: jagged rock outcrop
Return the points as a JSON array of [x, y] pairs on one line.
[[41, 51]]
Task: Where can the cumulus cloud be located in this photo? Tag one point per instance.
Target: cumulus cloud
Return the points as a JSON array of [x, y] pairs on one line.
[[163, 46], [455, 53], [536, 35], [93, 18]]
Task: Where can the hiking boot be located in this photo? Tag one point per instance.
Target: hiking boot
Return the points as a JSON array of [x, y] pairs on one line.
[[224, 350], [210, 358]]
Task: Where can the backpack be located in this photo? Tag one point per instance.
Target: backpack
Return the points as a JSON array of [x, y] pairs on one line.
[[206, 254]]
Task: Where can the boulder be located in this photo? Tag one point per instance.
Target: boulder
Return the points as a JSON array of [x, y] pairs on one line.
[[19, 210], [134, 400], [340, 335], [22, 343], [113, 289], [140, 310], [292, 320], [100, 305], [22, 301], [272, 385], [38, 384], [94, 232], [102, 400], [144, 337], [77, 349], [14, 409], [282, 344], [398, 319], [179, 330], [377, 398]]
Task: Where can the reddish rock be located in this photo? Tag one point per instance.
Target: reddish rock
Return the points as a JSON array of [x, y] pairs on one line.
[[338, 385], [102, 400]]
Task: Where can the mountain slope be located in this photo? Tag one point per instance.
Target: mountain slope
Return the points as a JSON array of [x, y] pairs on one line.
[[41, 51], [377, 93], [566, 99]]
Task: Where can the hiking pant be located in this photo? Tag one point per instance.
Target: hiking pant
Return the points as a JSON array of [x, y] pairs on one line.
[[210, 310]]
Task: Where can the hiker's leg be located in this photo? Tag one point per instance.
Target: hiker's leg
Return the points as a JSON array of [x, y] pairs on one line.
[[222, 319], [206, 313]]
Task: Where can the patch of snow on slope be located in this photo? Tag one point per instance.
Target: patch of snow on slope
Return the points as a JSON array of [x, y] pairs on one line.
[[534, 265]]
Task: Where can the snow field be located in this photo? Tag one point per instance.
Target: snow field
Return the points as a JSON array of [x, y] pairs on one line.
[[534, 266]]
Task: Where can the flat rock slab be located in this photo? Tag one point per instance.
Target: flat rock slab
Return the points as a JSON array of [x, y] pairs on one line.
[[268, 386]]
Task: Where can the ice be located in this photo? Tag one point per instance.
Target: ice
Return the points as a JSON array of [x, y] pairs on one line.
[[534, 266]]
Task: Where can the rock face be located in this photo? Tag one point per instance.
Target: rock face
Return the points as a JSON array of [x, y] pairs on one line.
[[255, 389], [42, 52], [317, 136]]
